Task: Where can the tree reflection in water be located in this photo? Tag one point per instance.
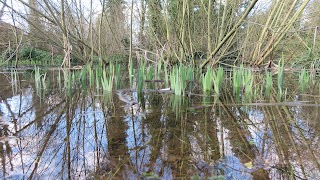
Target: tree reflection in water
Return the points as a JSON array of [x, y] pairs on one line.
[[88, 137]]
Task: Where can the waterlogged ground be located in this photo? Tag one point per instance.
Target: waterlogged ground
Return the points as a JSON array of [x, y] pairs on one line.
[[81, 134]]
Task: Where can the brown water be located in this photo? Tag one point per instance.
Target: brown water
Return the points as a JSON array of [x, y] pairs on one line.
[[161, 136]]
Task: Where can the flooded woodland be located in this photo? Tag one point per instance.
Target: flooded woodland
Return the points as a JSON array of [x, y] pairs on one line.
[[53, 131], [160, 89]]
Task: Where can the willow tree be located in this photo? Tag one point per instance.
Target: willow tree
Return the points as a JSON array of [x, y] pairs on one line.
[[156, 21], [185, 27], [117, 38], [312, 24], [283, 17], [229, 27], [111, 30], [142, 23], [2, 8], [34, 23], [198, 29]]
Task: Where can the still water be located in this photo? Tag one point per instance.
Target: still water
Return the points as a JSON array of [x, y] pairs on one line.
[[87, 135]]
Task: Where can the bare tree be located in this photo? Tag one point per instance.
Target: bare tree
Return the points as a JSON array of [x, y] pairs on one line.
[[34, 23], [2, 8]]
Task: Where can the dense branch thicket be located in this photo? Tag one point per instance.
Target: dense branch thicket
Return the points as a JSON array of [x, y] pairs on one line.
[[176, 31]]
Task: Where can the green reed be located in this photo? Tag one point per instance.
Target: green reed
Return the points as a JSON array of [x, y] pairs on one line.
[[37, 77], [158, 69], [43, 81], [107, 79], [140, 81], [150, 76], [183, 78], [268, 84], [280, 77], [65, 78], [59, 80], [166, 76], [190, 77], [174, 80], [68, 82], [207, 80], [117, 76], [97, 79], [83, 78], [237, 81], [217, 80], [304, 78], [130, 71], [150, 73], [40, 81], [178, 79], [248, 84], [90, 75]]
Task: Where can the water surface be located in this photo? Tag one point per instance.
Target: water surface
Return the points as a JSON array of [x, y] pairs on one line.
[[87, 134]]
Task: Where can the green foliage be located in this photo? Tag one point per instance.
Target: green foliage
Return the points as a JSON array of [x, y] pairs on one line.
[[117, 58], [179, 76], [117, 76], [159, 67], [28, 55], [237, 81], [248, 84], [38, 56], [217, 79], [83, 78], [207, 80], [175, 81], [149, 175], [141, 78], [280, 77], [90, 74], [268, 83], [107, 79], [304, 80], [220, 177], [40, 81], [130, 66]]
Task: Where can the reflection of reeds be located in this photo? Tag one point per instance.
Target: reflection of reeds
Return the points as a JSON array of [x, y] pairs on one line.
[[289, 123]]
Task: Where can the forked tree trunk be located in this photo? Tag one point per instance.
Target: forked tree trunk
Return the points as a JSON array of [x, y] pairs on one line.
[[66, 45]]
